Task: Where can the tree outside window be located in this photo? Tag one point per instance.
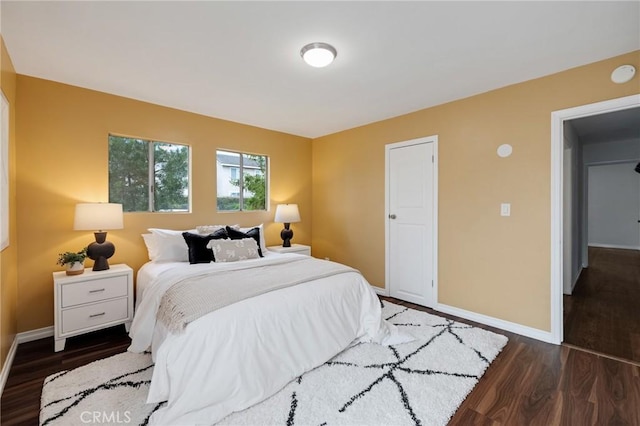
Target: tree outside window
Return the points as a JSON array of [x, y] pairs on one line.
[[148, 176], [242, 181]]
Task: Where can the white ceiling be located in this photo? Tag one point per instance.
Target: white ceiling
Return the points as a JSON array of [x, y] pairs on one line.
[[240, 60]]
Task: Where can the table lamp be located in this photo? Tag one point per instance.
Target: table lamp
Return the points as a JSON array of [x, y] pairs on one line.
[[287, 214], [100, 216]]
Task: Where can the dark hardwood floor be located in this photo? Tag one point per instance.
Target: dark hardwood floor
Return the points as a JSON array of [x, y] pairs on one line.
[[536, 383], [603, 313], [34, 361], [529, 383]]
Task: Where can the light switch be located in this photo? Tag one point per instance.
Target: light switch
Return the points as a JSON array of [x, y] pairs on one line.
[[505, 209]]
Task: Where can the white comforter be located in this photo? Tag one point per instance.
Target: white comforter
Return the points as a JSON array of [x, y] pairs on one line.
[[243, 353]]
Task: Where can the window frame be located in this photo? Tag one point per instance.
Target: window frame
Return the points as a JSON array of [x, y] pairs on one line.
[[151, 172], [240, 178]]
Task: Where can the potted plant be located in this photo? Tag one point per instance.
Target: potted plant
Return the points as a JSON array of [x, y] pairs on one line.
[[73, 261]]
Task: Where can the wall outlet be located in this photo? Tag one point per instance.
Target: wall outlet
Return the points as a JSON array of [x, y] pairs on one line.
[[505, 209]]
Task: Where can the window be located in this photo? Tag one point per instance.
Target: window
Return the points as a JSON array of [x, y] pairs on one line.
[[148, 176], [235, 172], [242, 181]]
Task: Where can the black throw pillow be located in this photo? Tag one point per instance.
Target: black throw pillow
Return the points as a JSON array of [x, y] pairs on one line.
[[254, 233], [198, 251]]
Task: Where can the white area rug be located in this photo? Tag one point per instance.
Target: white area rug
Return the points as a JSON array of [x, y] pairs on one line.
[[418, 383]]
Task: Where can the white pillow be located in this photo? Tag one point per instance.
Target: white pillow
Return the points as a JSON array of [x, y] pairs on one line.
[[170, 245], [263, 244], [150, 242], [208, 229], [234, 250]]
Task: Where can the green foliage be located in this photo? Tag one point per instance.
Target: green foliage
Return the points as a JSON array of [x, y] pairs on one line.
[[71, 257], [129, 174], [171, 177], [255, 184], [228, 203]]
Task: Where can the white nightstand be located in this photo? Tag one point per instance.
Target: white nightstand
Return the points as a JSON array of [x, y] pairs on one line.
[[91, 301], [295, 248]]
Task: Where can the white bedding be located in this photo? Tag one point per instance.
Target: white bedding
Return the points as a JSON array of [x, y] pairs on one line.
[[243, 353]]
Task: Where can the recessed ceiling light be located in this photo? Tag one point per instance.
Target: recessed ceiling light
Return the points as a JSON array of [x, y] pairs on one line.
[[318, 54]]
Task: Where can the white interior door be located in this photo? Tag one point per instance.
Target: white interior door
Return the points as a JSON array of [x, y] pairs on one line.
[[411, 218]]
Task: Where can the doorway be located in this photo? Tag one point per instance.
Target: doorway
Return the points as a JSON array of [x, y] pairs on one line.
[[411, 220], [602, 313], [578, 258]]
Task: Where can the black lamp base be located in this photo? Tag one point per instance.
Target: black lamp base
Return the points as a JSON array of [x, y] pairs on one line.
[[286, 234], [100, 250], [100, 264]]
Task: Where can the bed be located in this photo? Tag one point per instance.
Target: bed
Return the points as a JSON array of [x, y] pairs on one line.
[[240, 354]]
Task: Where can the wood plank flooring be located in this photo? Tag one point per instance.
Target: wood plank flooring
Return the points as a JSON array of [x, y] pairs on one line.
[[603, 314], [34, 361], [536, 383], [529, 383]]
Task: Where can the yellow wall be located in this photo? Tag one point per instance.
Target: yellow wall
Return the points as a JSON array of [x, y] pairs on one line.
[[8, 257], [487, 264], [62, 159]]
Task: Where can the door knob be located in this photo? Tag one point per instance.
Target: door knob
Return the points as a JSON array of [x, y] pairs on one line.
[[392, 216]]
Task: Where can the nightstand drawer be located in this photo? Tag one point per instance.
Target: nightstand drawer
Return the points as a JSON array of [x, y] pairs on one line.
[[94, 315], [94, 290]]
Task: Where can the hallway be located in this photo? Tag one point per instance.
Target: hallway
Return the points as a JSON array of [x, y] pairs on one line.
[[603, 314]]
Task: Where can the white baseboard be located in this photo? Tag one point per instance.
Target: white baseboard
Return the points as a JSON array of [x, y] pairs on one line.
[[37, 334], [381, 291], [513, 327], [614, 246], [6, 367]]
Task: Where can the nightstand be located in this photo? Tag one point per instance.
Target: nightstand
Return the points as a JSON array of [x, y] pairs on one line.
[[295, 248], [91, 301]]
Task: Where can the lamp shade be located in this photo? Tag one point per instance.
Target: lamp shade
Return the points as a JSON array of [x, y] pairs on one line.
[[98, 216], [287, 213]]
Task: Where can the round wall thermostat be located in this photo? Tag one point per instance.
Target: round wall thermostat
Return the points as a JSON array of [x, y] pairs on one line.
[[623, 73], [504, 150]]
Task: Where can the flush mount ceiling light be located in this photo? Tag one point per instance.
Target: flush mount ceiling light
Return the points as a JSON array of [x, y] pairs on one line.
[[318, 54]]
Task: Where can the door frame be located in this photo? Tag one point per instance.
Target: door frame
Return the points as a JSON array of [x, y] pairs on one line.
[[557, 158], [387, 251]]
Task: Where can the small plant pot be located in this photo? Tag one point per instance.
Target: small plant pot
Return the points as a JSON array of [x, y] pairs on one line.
[[75, 268]]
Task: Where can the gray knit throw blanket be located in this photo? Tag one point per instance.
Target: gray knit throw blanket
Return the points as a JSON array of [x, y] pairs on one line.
[[191, 298]]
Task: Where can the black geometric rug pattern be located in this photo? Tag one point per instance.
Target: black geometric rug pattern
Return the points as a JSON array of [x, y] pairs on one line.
[[108, 391], [417, 383]]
